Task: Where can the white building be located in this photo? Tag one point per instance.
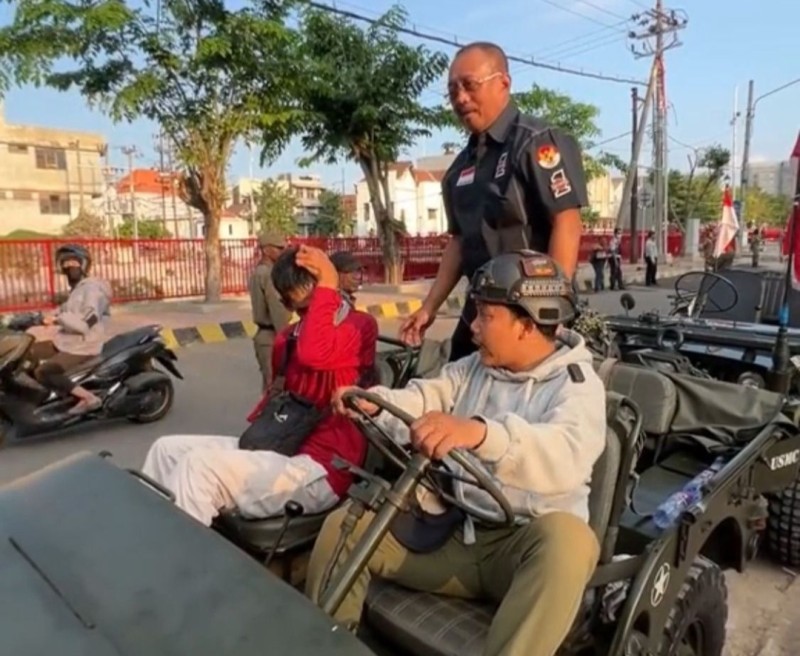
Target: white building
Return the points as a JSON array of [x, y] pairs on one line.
[[416, 201]]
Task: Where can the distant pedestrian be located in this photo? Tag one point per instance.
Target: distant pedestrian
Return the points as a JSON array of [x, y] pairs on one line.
[[269, 313], [351, 274], [598, 261], [650, 259], [615, 261]]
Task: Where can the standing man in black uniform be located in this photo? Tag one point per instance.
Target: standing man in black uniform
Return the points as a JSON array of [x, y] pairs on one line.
[[519, 183]]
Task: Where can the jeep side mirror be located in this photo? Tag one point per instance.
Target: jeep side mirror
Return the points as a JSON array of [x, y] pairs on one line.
[[627, 301]]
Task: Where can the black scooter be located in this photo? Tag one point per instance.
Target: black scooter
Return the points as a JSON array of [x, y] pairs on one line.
[[123, 376]]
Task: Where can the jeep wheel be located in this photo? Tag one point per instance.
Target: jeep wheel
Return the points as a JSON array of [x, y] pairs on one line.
[[696, 624], [783, 528]]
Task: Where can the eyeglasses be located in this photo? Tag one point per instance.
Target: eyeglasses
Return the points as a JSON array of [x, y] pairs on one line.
[[469, 84]]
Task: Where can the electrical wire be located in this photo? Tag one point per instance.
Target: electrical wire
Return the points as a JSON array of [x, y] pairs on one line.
[[455, 43], [574, 12]]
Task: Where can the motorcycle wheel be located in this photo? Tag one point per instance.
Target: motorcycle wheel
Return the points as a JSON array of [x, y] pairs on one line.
[[167, 398]]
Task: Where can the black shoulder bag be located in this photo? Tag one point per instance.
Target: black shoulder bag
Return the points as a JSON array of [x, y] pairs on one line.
[[286, 420]]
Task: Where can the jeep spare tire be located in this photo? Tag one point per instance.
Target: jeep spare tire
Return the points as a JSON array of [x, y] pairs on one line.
[[783, 527]]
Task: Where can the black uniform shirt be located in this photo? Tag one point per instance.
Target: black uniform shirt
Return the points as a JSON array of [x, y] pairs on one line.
[[504, 189]]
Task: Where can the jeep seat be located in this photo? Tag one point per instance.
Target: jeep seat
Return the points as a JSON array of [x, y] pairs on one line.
[[258, 536], [426, 624]]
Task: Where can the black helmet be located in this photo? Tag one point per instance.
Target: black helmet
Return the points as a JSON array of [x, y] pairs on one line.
[[529, 280], [74, 252]]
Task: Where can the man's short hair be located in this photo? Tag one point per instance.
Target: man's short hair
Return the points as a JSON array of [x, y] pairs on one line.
[[288, 276], [492, 50]]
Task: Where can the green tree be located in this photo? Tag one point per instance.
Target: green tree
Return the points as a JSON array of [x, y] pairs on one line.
[[364, 104], [697, 194], [146, 229], [766, 209], [195, 68], [85, 224], [332, 220], [276, 207]]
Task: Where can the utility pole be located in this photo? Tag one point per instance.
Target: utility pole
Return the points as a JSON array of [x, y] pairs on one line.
[[172, 182], [748, 133], [748, 129], [634, 257], [658, 24], [159, 138], [130, 151]]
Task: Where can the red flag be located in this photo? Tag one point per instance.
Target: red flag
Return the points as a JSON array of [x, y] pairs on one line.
[[791, 240], [728, 225]]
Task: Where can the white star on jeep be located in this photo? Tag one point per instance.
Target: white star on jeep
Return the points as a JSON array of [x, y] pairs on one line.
[[660, 584]]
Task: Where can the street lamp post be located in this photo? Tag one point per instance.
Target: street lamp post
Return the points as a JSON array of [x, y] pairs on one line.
[[748, 133]]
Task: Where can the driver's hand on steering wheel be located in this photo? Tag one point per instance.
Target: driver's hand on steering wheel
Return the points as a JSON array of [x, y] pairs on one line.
[[340, 408], [435, 434]]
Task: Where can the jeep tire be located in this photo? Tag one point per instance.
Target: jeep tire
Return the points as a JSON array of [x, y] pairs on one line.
[[696, 623], [783, 528]]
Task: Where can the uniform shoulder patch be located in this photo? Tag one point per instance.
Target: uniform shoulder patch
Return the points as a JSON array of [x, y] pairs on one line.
[[575, 373]]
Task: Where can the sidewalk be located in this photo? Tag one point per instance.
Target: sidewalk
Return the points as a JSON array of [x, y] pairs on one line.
[[187, 321]]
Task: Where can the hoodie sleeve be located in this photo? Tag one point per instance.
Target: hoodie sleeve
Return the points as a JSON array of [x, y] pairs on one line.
[[421, 396], [556, 453], [89, 306]]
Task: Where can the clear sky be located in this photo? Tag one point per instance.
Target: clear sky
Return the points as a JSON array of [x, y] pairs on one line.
[[724, 45]]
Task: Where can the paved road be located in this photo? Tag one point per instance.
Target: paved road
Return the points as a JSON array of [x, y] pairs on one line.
[[220, 388]]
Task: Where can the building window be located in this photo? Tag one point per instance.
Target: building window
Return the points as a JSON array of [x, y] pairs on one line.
[[21, 194], [54, 204], [230, 229], [17, 148], [366, 212], [432, 214], [51, 158]]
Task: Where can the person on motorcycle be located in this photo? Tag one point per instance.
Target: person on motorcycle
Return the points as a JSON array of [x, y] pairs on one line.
[[530, 409], [351, 273], [333, 345], [81, 323]]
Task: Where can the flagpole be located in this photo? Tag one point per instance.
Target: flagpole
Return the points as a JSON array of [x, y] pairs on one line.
[[779, 378]]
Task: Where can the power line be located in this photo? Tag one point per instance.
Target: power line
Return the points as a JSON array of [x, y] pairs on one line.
[[455, 43], [575, 12], [582, 49], [601, 9], [603, 32]]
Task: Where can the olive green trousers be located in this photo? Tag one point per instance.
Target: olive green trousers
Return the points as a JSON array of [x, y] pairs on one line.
[[537, 573]]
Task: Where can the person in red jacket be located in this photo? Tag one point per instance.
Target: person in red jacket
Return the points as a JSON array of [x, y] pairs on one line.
[[335, 346]]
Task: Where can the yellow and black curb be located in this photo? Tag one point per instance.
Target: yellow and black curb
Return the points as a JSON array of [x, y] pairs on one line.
[[212, 333]]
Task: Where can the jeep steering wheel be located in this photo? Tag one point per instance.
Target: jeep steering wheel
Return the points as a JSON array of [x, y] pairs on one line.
[[401, 454], [686, 293]]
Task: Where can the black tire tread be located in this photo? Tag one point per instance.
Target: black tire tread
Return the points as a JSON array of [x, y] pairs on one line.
[[136, 419], [705, 591], [783, 527]]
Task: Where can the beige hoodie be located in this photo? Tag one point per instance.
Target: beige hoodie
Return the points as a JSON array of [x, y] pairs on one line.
[[544, 430]]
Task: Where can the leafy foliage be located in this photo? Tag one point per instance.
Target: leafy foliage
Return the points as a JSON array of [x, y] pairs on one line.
[[332, 220], [698, 193], [362, 103], [276, 206], [147, 229], [85, 224], [762, 208], [197, 69]]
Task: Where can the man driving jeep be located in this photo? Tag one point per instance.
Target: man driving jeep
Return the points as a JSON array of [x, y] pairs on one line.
[[529, 409], [332, 345]]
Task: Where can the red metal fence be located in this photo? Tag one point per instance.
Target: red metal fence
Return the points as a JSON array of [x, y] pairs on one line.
[[140, 270]]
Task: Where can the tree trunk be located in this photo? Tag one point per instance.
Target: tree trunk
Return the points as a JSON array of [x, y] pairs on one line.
[[392, 253], [213, 257]]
